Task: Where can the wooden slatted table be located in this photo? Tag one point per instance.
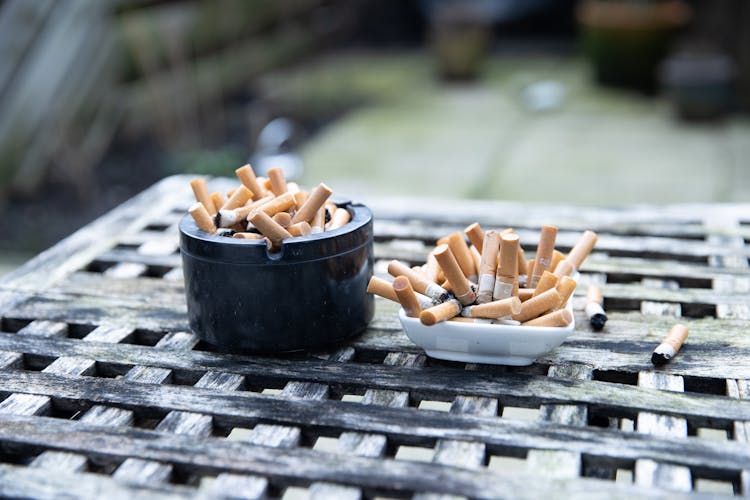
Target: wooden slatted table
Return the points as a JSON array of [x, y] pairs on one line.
[[105, 391]]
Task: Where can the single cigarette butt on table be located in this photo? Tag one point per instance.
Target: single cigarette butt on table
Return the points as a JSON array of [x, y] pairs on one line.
[[537, 305], [283, 219], [543, 258], [578, 254], [670, 346], [340, 218], [547, 281], [476, 235], [248, 236], [418, 282], [493, 310], [266, 225], [488, 266], [238, 198], [246, 175], [218, 199], [461, 252], [406, 296], [299, 229], [565, 287], [459, 284], [562, 317], [507, 267], [440, 312], [318, 221], [315, 201], [200, 190], [202, 218], [594, 310], [278, 181]]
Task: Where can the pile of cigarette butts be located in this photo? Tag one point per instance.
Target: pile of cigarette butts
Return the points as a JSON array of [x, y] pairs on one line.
[[489, 280], [271, 209]]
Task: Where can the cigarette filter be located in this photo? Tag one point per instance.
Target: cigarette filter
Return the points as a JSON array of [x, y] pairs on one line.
[[318, 221], [537, 305], [562, 317], [201, 217], [339, 219], [594, 310], [461, 252], [283, 219], [432, 269], [218, 200], [418, 282], [200, 190], [266, 183], [530, 270], [670, 346], [493, 310], [578, 254], [382, 288], [247, 236], [299, 229], [406, 296], [459, 284], [278, 181], [476, 234], [300, 197], [238, 198], [507, 269], [557, 257], [543, 259], [547, 281], [565, 287], [476, 257], [522, 267], [266, 225], [317, 198], [281, 203], [440, 312], [246, 175], [488, 266], [525, 294]]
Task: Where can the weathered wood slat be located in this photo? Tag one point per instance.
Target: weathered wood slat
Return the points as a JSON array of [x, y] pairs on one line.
[[208, 456]]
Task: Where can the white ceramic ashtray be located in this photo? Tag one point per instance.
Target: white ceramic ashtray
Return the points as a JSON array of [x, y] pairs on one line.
[[485, 342]]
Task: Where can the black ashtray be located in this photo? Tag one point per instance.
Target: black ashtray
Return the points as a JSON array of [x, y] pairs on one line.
[[309, 294]]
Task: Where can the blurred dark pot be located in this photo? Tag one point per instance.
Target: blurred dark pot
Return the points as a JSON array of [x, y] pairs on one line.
[[625, 40], [699, 84], [460, 36]]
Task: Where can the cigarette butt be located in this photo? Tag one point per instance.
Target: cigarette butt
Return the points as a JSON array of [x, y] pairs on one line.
[[266, 183], [246, 175], [277, 180], [299, 229], [281, 203], [283, 219], [442, 241], [340, 218], [247, 236], [317, 198], [266, 225], [488, 266], [218, 199], [530, 269], [565, 287], [562, 317], [522, 267], [452, 269], [582, 249], [564, 268], [418, 282], [537, 305], [543, 258], [406, 296], [507, 268], [462, 254], [238, 198], [200, 190], [557, 257], [547, 281], [432, 268], [300, 197], [493, 310], [670, 346], [382, 288], [440, 312], [594, 310], [318, 221], [525, 294], [477, 258], [476, 235], [202, 218], [229, 195]]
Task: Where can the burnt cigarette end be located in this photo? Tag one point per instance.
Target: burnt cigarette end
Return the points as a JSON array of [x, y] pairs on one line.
[[597, 322], [659, 359]]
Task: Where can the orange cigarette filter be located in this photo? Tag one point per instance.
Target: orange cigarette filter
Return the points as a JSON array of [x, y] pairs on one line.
[[283, 219], [494, 310], [557, 257], [578, 254], [522, 267], [317, 199], [543, 258], [462, 254], [246, 175], [562, 317], [318, 221], [200, 190], [202, 218], [525, 294], [340, 218], [266, 225], [300, 197], [537, 305], [266, 183], [440, 312], [507, 269], [278, 181], [417, 280], [432, 269], [229, 195], [488, 266], [530, 269], [382, 288], [459, 284], [281, 203], [547, 281], [406, 296], [476, 234], [238, 199], [299, 229], [565, 287], [247, 236], [218, 199], [594, 294]]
